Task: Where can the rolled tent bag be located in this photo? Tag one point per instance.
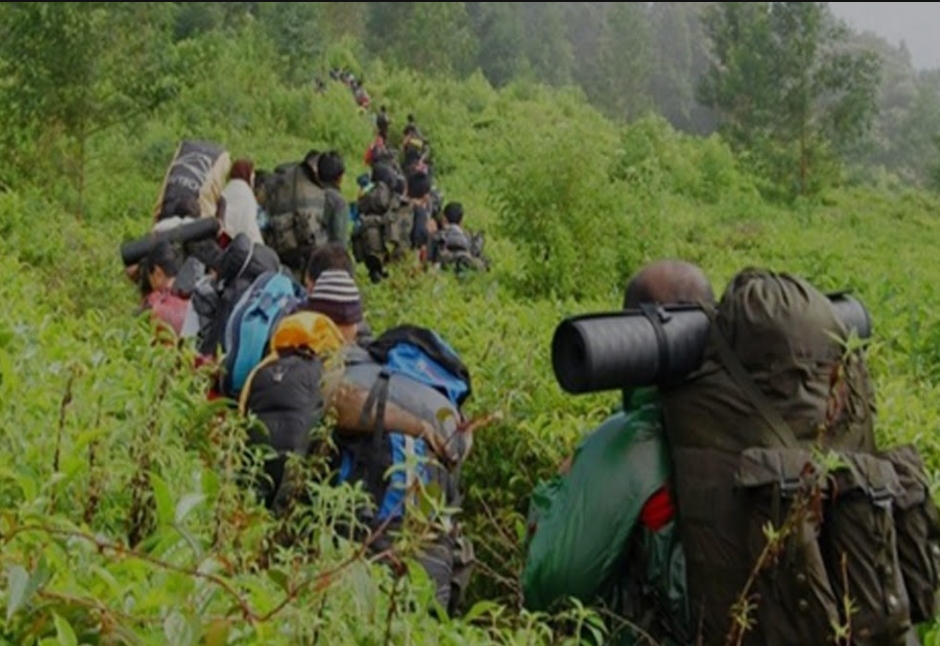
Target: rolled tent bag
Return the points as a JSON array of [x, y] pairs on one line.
[[650, 346], [191, 230], [194, 181]]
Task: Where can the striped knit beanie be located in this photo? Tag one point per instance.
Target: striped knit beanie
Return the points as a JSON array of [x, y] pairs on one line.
[[335, 294]]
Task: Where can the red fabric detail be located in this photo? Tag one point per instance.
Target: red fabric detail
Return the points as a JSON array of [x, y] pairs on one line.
[[658, 510], [203, 360], [168, 308]]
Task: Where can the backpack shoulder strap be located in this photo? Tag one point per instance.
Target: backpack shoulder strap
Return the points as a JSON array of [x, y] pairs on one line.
[[246, 388], [377, 400]]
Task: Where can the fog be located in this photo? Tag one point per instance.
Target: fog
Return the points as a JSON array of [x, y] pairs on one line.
[[917, 24]]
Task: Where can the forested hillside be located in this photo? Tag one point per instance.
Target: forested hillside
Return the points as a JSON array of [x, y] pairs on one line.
[[584, 138]]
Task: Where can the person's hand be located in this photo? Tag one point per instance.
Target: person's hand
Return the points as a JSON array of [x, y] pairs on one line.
[[437, 443]]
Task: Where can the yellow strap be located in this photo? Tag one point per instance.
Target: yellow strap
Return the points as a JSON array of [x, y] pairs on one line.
[[246, 389]]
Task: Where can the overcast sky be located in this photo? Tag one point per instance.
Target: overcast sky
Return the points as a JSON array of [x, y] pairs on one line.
[[916, 23]]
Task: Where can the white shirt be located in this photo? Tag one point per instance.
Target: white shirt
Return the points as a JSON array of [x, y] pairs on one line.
[[241, 211]]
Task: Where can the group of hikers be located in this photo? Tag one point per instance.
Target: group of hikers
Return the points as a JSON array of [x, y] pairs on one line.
[[351, 81], [257, 271], [744, 501]]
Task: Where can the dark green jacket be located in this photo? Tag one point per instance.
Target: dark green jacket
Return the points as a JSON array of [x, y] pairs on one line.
[[585, 538]]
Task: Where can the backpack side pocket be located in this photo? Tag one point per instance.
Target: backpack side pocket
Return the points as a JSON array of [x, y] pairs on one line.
[[917, 522], [860, 546], [796, 602]]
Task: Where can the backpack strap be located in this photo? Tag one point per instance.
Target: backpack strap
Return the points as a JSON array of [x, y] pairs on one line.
[[293, 200], [657, 316], [377, 400], [248, 257], [745, 382], [249, 382]]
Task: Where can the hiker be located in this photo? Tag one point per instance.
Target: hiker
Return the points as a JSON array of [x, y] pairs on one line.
[[378, 151], [291, 391], [363, 101], [423, 225], [452, 247], [380, 230], [414, 149], [382, 122], [229, 275], [295, 202], [333, 257], [241, 205], [334, 294], [776, 427], [416, 370], [285, 392], [411, 127], [330, 172], [158, 272], [604, 529]]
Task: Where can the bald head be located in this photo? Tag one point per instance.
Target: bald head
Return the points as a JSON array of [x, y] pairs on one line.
[[668, 281]]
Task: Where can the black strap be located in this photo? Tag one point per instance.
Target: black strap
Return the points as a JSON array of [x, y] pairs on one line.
[[743, 379], [657, 316], [377, 400]]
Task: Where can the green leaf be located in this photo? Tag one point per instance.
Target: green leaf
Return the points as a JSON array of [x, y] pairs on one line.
[[186, 504], [216, 633], [481, 609], [17, 587], [64, 632], [178, 630], [163, 498]]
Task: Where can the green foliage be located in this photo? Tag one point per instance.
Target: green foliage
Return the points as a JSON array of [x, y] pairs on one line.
[[787, 90], [434, 37], [552, 206], [108, 441], [63, 95], [654, 160]]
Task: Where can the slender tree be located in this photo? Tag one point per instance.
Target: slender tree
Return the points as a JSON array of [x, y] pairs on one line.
[[787, 88], [71, 69], [499, 30]]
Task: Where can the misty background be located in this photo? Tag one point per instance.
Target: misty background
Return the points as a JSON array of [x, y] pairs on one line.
[[913, 24]]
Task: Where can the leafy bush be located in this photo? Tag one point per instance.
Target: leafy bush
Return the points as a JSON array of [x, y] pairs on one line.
[[122, 512]]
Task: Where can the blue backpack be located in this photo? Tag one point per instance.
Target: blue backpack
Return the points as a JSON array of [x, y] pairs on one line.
[[248, 330], [397, 365]]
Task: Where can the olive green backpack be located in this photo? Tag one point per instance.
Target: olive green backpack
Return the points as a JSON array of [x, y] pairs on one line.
[[775, 429]]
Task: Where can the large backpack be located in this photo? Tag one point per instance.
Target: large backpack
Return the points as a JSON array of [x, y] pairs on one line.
[[375, 230], [285, 393], [249, 327], [214, 299], [296, 209], [775, 429], [415, 369], [455, 250], [193, 182]]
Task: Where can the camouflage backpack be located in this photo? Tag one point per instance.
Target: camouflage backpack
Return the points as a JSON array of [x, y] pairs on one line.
[[295, 207], [776, 429], [374, 231], [455, 249]]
